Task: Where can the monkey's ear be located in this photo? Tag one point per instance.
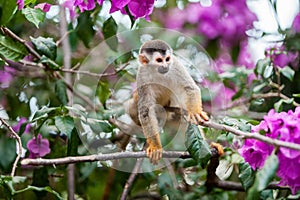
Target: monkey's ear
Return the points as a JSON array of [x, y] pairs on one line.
[[143, 59]]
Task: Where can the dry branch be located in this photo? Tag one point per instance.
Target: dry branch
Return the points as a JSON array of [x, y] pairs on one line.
[[17, 137], [99, 157]]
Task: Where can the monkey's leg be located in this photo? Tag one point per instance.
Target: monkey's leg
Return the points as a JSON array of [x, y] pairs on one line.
[[151, 131]]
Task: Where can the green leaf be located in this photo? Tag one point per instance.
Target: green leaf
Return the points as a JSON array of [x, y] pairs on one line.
[[246, 175], [61, 92], [197, 147], [268, 71], [296, 95], [11, 49], [263, 177], [238, 94], [7, 152], [8, 9], [261, 65], [85, 30], [259, 87], [27, 2], [51, 64], [45, 46], [288, 72], [35, 16], [73, 143], [41, 189], [100, 126], [278, 104], [103, 92], [43, 113], [109, 31], [64, 124]]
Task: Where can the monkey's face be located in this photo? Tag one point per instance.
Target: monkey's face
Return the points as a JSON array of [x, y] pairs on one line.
[[161, 62]]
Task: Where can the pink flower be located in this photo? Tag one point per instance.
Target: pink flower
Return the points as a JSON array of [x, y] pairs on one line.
[[17, 127], [284, 126], [255, 152], [69, 4], [296, 23], [139, 8], [117, 5], [45, 7], [20, 4], [85, 4], [6, 76], [136, 8], [38, 147], [281, 57]]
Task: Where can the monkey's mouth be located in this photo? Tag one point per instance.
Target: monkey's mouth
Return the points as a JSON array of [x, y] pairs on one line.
[[163, 69]]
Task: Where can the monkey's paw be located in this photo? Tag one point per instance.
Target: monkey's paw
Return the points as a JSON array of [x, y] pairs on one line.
[[197, 118], [154, 154]]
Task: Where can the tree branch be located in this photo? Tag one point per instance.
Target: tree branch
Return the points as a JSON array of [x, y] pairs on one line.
[[94, 74], [99, 157], [256, 136], [131, 178], [16, 136]]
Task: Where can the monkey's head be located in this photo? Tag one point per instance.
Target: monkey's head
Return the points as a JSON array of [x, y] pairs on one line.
[[156, 53]]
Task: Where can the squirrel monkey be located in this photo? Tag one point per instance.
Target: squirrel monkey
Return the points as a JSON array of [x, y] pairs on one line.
[[162, 81]]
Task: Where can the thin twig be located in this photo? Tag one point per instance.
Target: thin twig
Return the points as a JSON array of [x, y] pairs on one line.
[[94, 74], [274, 94], [19, 145], [99, 157], [131, 178]]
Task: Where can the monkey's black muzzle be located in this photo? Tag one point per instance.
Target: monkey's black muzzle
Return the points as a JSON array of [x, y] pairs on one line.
[[163, 69]]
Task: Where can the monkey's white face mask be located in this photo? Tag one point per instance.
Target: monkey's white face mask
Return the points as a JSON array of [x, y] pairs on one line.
[[161, 62]]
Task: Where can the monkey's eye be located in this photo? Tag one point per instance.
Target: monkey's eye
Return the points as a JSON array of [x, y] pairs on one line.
[[168, 59], [159, 60]]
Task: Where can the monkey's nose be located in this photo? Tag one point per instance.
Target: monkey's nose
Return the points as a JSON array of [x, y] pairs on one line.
[[163, 69]]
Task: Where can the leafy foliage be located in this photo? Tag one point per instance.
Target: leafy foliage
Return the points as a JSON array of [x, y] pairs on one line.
[[197, 146]]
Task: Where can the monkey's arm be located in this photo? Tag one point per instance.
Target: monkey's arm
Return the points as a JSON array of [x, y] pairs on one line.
[[193, 102], [149, 122]]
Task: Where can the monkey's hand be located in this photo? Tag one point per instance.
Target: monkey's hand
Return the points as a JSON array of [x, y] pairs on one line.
[[154, 149], [197, 117]]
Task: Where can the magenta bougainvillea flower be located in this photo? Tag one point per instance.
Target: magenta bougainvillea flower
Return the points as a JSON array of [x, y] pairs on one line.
[[284, 126], [296, 23], [38, 147], [6, 76], [136, 8], [18, 126], [281, 57], [45, 7], [84, 4], [117, 5], [140, 9], [20, 4]]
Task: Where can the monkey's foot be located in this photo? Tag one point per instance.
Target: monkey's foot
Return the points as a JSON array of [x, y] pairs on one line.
[[197, 118], [154, 154]]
